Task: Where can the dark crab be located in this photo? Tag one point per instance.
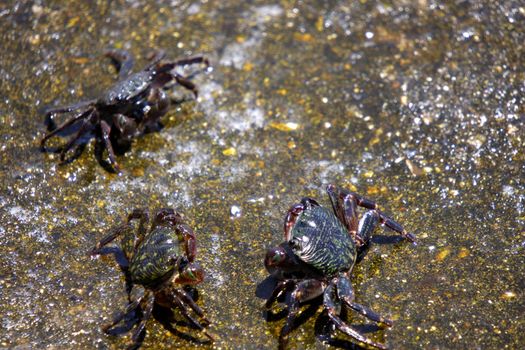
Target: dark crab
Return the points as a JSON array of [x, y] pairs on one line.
[[160, 263], [131, 107], [319, 252]]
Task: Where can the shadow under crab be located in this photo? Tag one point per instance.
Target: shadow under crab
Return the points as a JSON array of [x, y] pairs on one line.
[[159, 264], [318, 255], [132, 107]]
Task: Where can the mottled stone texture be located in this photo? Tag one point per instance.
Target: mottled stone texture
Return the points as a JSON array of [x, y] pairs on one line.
[[415, 104]]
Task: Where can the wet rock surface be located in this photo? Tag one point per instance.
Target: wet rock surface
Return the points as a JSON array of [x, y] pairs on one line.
[[415, 104]]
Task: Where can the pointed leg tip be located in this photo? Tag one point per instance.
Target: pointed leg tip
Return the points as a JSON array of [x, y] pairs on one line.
[[387, 322], [411, 237], [330, 187]]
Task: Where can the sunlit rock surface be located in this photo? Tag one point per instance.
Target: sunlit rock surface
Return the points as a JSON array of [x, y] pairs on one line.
[[415, 104]]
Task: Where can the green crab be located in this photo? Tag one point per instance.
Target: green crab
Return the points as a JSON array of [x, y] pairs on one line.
[[161, 261], [319, 252]]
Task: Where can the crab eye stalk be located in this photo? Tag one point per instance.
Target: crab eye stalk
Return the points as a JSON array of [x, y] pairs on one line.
[[296, 244]]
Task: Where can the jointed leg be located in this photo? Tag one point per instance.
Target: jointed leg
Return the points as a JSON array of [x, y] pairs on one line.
[[105, 130], [367, 225], [192, 60], [143, 216], [147, 309], [345, 208], [110, 237], [294, 212], [190, 241], [87, 125], [365, 229], [131, 306], [182, 308], [155, 57], [304, 291], [56, 130], [126, 125], [393, 225], [132, 240], [66, 109], [184, 81], [291, 218], [369, 204], [281, 287], [346, 293], [333, 306], [187, 84], [181, 294], [159, 103], [122, 60], [166, 67]]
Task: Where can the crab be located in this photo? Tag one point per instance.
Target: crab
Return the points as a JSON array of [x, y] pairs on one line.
[[319, 253], [160, 263], [129, 108]]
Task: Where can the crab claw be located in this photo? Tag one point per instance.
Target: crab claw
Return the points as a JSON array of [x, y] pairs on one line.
[[191, 274]]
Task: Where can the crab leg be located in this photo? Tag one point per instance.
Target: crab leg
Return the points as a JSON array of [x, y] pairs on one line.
[[391, 224], [141, 214], [366, 228], [187, 84], [304, 291], [346, 293], [294, 212], [367, 225], [190, 241], [281, 287], [86, 124], [130, 307], [345, 208], [122, 60], [291, 218], [69, 108], [48, 113], [338, 192], [184, 81], [180, 305], [63, 126], [136, 296], [155, 58], [110, 237], [332, 308], [146, 315], [188, 300], [106, 129], [184, 62]]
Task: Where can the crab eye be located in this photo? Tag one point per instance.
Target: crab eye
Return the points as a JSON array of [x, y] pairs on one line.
[[277, 256], [274, 257], [295, 244]]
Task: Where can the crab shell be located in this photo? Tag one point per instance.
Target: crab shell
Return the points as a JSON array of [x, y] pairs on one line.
[[319, 239], [161, 257]]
